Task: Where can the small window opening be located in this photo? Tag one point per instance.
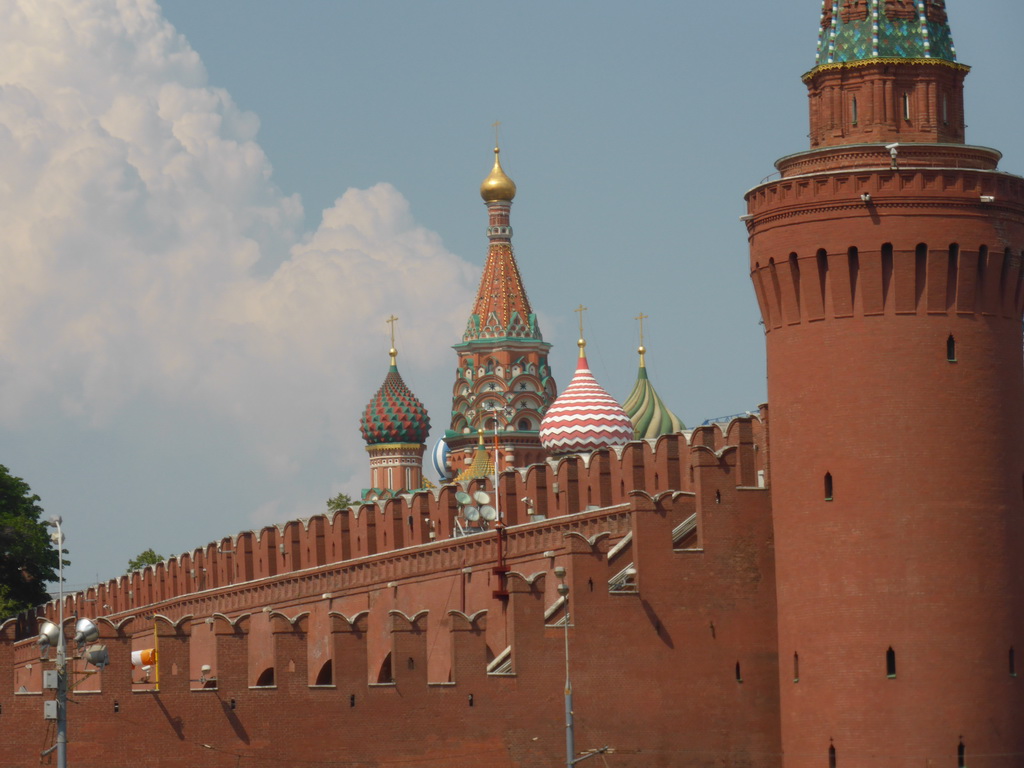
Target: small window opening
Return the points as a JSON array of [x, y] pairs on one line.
[[796, 667], [854, 111], [951, 349], [351, 699], [718, 497], [739, 677], [828, 486], [945, 109], [961, 756], [385, 675], [906, 106], [1013, 663], [890, 663], [326, 673], [411, 663], [266, 678], [831, 756]]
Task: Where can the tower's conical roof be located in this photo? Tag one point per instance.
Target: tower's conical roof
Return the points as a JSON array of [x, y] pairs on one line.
[[394, 415], [502, 309], [584, 417], [867, 30], [650, 416]]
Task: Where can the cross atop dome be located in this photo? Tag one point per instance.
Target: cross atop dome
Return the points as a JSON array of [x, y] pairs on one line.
[[866, 30]]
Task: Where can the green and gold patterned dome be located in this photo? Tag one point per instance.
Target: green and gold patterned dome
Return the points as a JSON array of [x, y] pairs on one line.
[[650, 416], [854, 31], [394, 415]]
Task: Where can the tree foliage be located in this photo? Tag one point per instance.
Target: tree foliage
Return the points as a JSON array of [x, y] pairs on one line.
[[339, 502], [141, 560], [28, 558]]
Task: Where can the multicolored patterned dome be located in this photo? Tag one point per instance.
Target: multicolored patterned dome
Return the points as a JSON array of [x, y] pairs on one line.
[[584, 417], [394, 415], [650, 416], [866, 30]]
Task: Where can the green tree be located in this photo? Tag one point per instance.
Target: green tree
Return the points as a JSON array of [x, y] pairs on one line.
[[28, 557], [141, 560], [339, 502]]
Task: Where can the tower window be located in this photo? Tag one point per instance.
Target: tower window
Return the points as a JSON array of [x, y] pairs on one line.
[[961, 755], [853, 111], [1013, 663], [890, 663], [739, 677], [831, 756], [828, 486], [951, 349], [906, 106], [796, 667]]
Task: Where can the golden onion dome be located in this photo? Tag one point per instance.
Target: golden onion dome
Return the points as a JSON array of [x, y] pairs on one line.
[[497, 185]]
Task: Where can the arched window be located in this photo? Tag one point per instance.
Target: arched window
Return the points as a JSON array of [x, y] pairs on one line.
[[796, 667], [828, 486], [385, 675], [831, 756], [853, 111], [951, 349], [890, 663], [961, 755], [739, 677], [326, 674]]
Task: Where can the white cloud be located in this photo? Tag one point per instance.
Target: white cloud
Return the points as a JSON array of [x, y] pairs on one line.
[[135, 206]]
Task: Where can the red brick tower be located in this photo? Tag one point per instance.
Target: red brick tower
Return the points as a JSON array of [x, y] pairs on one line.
[[887, 264], [503, 359]]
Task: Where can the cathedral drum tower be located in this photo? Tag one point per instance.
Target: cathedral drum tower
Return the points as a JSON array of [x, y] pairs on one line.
[[887, 264], [503, 383]]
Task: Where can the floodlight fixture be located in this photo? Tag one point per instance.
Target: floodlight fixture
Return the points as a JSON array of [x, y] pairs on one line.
[[49, 635], [86, 632]]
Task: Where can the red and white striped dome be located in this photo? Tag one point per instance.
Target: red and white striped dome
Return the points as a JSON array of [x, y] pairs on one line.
[[584, 417]]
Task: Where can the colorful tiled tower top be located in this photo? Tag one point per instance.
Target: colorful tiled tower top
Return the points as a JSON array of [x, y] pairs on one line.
[[394, 415], [866, 30], [502, 309]]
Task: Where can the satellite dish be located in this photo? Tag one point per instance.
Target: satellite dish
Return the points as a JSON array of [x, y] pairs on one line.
[[463, 498], [481, 497], [490, 514], [86, 632], [472, 514]]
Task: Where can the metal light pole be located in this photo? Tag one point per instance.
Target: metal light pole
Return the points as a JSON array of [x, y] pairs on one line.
[[62, 656], [570, 736], [570, 733]]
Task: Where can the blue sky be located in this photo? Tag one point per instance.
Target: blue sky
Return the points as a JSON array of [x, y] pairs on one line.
[[208, 209]]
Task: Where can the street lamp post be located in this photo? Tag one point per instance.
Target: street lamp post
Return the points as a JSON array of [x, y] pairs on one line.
[[62, 655], [570, 733], [85, 632], [570, 736]]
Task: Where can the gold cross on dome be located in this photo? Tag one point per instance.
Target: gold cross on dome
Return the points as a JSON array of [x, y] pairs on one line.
[[496, 125], [581, 309], [641, 317], [391, 321]]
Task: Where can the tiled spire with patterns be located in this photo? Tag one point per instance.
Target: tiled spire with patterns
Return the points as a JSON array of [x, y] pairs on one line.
[[503, 371]]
